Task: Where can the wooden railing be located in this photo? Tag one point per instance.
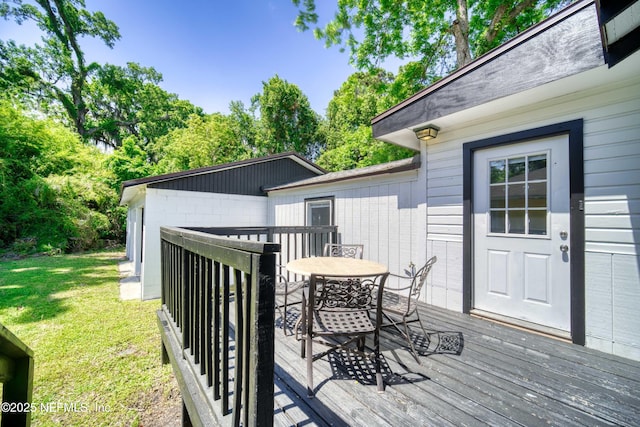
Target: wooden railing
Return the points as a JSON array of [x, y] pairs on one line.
[[16, 378], [217, 325], [295, 242]]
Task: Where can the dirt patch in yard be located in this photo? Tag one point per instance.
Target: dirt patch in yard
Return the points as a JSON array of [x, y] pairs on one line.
[[161, 406]]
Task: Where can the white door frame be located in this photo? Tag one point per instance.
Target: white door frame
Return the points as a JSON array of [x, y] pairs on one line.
[[574, 130]]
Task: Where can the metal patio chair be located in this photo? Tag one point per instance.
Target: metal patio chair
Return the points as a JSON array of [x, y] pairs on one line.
[[340, 250], [284, 288], [401, 307], [336, 313]]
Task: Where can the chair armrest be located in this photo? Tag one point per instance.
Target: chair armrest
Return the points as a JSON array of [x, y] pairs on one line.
[[401, 288]]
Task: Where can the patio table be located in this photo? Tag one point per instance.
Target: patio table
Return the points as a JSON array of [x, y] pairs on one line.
[[335, 266]]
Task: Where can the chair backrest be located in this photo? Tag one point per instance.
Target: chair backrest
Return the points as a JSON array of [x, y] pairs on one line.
[[345, 251], [352, 293], [421, 277]]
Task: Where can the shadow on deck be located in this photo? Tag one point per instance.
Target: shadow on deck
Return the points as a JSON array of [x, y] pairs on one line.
[[473, 372]]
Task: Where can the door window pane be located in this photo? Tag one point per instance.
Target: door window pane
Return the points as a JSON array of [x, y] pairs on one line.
[[517, 195], [537, 195], [538, 222], [498, 197], [517, 169], [516, 221], [497, 171], [497, 222], [538, 167]]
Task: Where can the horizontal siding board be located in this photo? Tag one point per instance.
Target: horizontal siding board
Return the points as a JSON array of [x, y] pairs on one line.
[[606, 165], [613, 235], [446, 181], [616, 145], [612, 221], [612, 178], [445, 192], [627, 191], [612, 248], [613, 207], [444, 209]]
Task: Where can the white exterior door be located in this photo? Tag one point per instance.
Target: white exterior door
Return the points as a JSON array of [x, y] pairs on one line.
[[521, 232]]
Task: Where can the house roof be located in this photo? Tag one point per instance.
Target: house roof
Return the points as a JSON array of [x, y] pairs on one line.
[[369, 171], [232, 176], [564, 45]]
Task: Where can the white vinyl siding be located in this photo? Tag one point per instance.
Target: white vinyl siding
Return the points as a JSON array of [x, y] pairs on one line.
[[386, 214]]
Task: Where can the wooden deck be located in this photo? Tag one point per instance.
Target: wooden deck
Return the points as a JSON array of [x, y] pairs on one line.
[[474, 372]]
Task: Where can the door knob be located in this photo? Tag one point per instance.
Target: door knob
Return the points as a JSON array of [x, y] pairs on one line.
[[564, 248]]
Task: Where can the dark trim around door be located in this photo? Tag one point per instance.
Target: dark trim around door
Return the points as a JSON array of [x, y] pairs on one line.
[[574, 130]]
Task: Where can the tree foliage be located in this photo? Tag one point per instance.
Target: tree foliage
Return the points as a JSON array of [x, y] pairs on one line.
[[441, 35], [104, 103], [205, 141], [287, 122], [55, 190], [56, 70], [350, 143]]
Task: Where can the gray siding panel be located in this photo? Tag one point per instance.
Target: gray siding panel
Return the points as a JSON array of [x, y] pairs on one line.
[[250, 180]]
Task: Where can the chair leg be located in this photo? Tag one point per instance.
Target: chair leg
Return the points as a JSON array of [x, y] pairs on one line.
[[407, 336], [379, 380], [309, 350], [284, 316]]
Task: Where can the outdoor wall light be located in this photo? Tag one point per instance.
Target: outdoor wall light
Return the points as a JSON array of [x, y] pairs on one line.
[[427, 133]]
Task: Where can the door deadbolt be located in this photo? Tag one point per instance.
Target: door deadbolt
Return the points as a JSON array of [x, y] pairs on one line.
[[564, 234]]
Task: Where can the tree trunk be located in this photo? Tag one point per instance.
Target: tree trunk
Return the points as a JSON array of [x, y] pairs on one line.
[[460, 30]]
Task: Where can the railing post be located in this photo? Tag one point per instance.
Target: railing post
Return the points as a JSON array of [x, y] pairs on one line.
[[263, 317], [16, 377]]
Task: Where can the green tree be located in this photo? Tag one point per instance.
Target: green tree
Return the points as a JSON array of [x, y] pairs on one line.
[[287, 122], [127, 101], [129, 162], [57, 70], [350, 143], [441, 35], [205, 141]]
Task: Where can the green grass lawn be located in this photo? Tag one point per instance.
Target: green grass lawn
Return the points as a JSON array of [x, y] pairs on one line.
[[97, 358]]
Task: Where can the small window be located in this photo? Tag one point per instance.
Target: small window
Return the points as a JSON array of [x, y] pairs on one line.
[[319, 212]]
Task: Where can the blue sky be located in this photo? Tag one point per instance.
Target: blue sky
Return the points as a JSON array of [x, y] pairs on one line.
[[214, 52]]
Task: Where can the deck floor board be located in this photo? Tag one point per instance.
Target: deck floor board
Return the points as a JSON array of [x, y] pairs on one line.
[[502, 376]]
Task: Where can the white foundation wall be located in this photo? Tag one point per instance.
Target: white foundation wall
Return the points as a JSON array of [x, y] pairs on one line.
[[384, 213], [611, 117], [191, 209]]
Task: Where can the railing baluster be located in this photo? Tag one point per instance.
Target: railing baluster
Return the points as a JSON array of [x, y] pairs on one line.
[[225, 340], [216, 330], [240, 347], [208, 321]]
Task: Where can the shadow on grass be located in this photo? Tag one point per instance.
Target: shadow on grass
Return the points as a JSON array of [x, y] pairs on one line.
[[38, 288]]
